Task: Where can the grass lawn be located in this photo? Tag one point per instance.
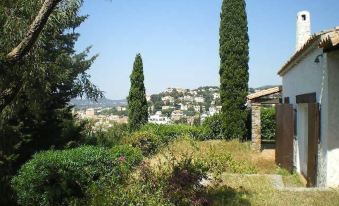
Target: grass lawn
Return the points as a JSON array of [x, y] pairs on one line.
[[230, 162]]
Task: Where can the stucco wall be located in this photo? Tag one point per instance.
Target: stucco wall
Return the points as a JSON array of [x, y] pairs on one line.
[[308, 77], [302, 139], [305, 77], [333, 123]]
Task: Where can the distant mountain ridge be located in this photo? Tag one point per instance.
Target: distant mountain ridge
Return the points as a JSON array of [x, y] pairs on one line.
[[103, 102]]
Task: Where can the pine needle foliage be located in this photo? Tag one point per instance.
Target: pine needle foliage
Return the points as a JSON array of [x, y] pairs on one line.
[[137, 103], [234, 55]]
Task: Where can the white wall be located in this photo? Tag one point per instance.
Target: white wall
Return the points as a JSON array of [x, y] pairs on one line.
[[302, 139], [305, 77], [333, 123], [308, 77]]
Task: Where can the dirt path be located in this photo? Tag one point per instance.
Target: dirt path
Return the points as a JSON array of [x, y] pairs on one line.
[[268, 154]]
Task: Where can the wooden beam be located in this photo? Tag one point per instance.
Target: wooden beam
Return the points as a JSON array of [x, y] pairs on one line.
[[306, 98]]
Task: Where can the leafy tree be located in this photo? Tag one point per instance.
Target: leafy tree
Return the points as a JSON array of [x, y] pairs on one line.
[[13, 55], [234, 67], [268, 123], [167, 112], [114, 111], [190, 112], [44, 80], [137, 103]]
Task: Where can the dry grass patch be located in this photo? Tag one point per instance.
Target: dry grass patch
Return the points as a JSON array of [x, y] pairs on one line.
[[239, 154], [258, 190], [226, 157]]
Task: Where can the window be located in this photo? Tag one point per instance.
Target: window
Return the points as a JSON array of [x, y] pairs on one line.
[[303, 17]]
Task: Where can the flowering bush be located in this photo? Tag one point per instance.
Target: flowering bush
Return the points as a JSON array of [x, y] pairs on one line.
[[147, 142], [183, 185]]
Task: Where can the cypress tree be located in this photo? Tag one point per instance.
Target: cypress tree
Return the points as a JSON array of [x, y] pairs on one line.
[[234, 57], [137, 103]]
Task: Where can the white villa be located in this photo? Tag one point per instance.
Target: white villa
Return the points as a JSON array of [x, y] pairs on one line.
[[199, 99], [177, 115], [168, 99], [183, 107], [216, 96], [309, 117], [159, 119], [188, 98]]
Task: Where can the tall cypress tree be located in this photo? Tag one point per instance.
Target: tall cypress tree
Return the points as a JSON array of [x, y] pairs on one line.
[[137, 103], [234, 57]]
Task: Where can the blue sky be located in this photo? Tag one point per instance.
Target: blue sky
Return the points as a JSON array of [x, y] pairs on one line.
[[178, 40]]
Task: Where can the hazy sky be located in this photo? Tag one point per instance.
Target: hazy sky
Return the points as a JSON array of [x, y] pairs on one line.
[[178, 40]]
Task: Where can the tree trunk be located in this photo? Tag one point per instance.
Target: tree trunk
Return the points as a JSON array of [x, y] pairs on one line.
[[33, 32]]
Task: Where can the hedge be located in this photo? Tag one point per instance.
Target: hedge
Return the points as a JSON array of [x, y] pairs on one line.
[[62, 177]]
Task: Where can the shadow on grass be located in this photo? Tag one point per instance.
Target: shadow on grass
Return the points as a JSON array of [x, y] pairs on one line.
[[228, 196]]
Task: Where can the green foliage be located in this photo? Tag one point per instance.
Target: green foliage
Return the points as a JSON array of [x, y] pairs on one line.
[[183, 185], [61, 177], [234, 56], [213, 127], [113, 136], [129, 155], [176, 182], [190, 112], [169, 133], [167, 112], [147, 142], [114, 111], [145, 188], [137, 103], [225, 162], [52, 73], [134, 194], [268, 123]]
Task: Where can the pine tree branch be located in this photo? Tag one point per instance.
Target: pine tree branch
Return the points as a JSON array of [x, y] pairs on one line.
[[33, 32], [7, 96]]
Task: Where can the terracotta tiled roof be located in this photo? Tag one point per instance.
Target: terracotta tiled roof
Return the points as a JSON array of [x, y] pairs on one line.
[[326, 39], [265, 92], [330, 40]]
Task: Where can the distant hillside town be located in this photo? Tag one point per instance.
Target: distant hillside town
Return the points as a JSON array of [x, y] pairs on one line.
[[174, 105]]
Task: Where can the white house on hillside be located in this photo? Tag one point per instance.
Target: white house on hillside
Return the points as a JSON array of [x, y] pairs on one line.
[[199, 99], [308, 121], [158, 118], [167, 99]]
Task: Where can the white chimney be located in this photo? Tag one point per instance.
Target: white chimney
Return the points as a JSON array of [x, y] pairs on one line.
[[303, 28]]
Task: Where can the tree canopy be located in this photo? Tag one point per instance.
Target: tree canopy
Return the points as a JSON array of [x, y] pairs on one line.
[[36, 89], [137, 103], [234, 57]]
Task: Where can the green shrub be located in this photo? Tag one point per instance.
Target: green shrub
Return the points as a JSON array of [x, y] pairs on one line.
[[219, 163], [176, 182], [213, 127], [147, 142], [167, 133], [226, 163], [132, 194], [113, 136], [130, 155], [62, 177], [183, 185], [268, 123]]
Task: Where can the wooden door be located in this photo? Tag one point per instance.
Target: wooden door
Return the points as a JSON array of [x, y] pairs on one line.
[[313, 140], [284, 136]]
